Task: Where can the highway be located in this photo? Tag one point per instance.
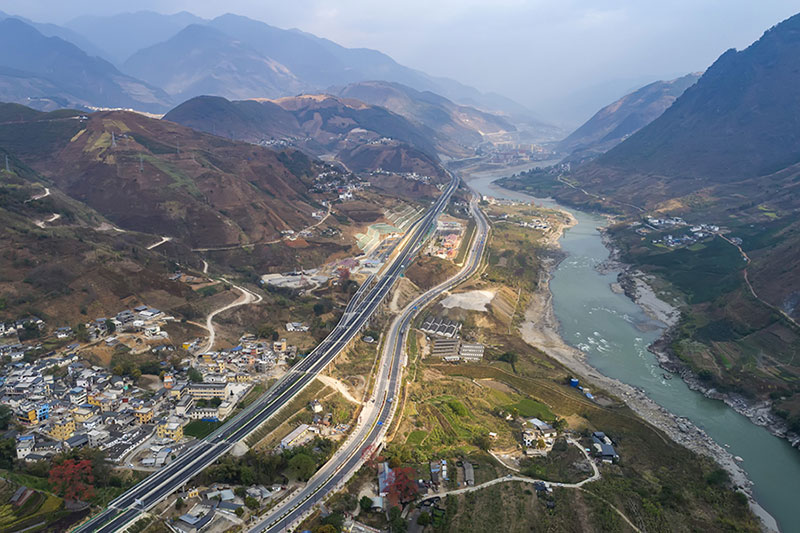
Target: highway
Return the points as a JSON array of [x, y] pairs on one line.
[[130, 505], [378, 412]]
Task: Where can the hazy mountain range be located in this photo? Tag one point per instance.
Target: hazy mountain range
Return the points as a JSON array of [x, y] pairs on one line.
[[48, 72], [186, 56]]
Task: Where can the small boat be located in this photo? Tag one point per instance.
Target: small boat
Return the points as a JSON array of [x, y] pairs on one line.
[[666, 376], [739, 459]]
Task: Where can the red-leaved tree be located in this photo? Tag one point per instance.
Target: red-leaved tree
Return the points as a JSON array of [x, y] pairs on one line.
[[403, 485], [73, 479]]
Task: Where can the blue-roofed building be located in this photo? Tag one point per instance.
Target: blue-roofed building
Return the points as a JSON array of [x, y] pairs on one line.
[[385, 479]]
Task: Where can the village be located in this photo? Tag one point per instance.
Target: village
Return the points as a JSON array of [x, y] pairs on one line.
[[695, 234], [63, 401]]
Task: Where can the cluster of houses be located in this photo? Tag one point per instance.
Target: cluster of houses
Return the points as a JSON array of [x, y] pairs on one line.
[[88, 406], [509, 153], [447, 343], [440, 327], [406, 175], [15, 327], [538, 437], [695, 233], [343, 185], [457, 350], [63, 402], [447, 239], [237, 363], [603, 448], [220, 503], [535, 223]]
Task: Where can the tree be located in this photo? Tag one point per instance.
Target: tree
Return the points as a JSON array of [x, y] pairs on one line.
[[510, 358], [251, 503], [396, 522], [335, 520], [5, 416], [483, 441], [403, 484], [365, 503], [110, 326], [239, 511], [267, 332], [29, 331], [240, 491], [325, 528], [81, 333], [303, 466], [424, 519], [179, 503], [8, 452], [73, 479], [194, 375]]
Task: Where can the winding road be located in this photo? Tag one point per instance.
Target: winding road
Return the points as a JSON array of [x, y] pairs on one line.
[[247, 297]]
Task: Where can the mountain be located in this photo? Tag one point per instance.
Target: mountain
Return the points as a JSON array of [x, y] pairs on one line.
[[455, 127], [52, 69], [741, 119], [319, 124], [313, 63], [161, 178], [726, 153], [65, 262], [322, 63], [119, 36], [201, 60], [53, 30], [617, 121]]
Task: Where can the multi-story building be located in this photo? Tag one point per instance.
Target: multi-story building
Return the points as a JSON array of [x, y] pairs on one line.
[[172, 430], [26, 414], [144, 415], [62, 428], [207, 391]]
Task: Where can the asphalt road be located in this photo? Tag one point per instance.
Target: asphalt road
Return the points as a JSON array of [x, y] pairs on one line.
[[129, 506], [377, 414]]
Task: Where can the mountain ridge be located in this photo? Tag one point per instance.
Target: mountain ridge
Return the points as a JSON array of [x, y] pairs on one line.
[[615, 122], [79, 80]]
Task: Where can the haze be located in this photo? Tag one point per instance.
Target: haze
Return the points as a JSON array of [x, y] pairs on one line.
[[562, 59]]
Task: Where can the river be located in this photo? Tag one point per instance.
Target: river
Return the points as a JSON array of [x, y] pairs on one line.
[[614, 332]]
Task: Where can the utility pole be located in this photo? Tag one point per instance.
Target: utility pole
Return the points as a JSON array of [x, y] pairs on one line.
[[113, 140], [141, 166], [7, 168]]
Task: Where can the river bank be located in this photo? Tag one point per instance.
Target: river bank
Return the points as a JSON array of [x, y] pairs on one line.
[[586, 307], [541, 329], [635, 285]]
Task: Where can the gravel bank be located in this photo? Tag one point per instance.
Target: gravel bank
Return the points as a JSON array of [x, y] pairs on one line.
[[541, 329]]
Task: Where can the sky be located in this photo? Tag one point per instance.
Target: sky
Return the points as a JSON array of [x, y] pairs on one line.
[[561, 58]]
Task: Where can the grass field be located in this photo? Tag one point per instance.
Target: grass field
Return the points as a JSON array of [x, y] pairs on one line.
[[200, 429], [528, 408]]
